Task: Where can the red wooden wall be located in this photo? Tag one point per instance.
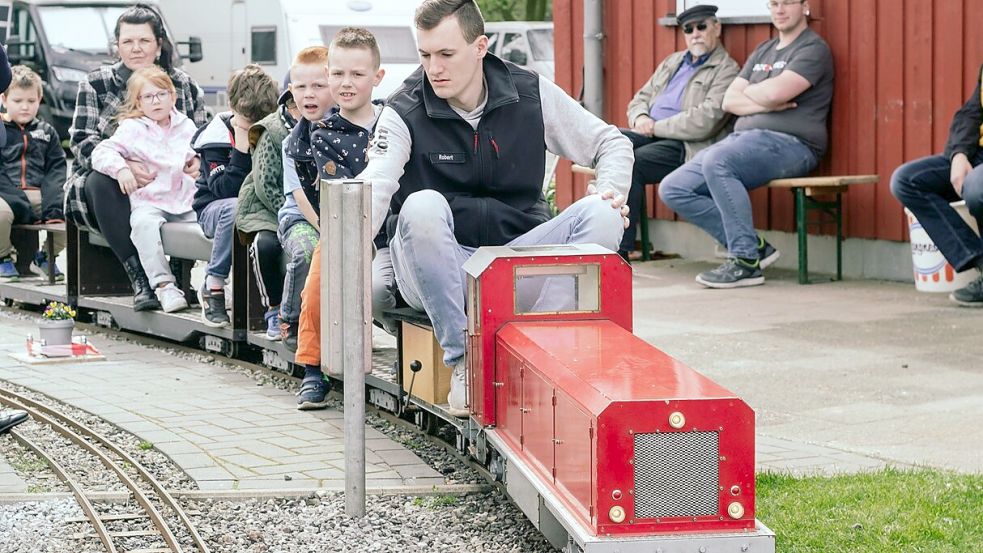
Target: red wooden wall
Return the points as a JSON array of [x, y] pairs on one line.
[[902, 69]]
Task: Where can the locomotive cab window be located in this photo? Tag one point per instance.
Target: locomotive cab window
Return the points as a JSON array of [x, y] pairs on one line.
[[557, 289]]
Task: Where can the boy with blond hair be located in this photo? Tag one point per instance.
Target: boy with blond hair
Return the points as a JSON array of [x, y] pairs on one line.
[[339, 143], [223, 146], [299, 220], [32, 171]]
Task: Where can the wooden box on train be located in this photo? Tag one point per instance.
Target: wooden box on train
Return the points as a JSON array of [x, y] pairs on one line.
[[433, 382]]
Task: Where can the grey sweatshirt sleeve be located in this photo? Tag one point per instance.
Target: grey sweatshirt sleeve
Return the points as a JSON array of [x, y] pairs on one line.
[[388, 153], [576, 134]]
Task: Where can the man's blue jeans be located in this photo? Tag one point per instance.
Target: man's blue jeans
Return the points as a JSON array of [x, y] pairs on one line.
[[711, 190], [428, 261], [217, 221], [923, 187]]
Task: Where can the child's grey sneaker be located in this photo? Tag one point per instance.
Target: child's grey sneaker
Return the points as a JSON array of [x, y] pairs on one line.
[[735, 273], [970, 295], [213, 310], [41, 262], [767, 254]]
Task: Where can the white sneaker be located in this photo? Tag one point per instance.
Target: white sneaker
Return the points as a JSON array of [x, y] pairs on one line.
[[171, 298], [457, 399]]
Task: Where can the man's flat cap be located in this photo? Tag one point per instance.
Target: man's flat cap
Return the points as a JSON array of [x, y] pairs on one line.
[[696, 13]]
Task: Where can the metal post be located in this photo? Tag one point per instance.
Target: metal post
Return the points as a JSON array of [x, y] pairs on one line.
[[594, 57], [802, 228], [346, 270]]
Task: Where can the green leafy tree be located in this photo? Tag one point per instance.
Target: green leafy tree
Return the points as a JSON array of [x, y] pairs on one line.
[[516, 10]]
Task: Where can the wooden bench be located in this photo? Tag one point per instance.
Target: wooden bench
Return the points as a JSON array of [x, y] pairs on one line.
[[806, 190], [49, 246]]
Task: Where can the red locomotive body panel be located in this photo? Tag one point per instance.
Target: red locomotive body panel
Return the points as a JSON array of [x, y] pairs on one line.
[[492, 303], [622, 430]]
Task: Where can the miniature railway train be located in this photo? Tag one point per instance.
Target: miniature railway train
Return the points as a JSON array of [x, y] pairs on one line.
[[605, 443]]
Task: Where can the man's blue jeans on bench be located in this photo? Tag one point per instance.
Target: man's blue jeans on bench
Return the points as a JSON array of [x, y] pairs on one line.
[[923, 187], [711, 190], [428, 262]]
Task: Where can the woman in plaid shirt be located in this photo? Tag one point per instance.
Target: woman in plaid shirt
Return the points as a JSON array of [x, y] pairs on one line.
[[95, 200]]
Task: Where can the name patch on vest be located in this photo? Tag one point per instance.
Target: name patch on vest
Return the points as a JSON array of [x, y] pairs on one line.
[[450, 157]]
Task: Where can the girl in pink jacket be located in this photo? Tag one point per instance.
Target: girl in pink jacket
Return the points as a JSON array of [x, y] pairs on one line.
[[153, 133]]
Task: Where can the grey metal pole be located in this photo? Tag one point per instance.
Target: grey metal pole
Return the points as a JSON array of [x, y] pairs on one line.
[[594, 57], [347, 264]]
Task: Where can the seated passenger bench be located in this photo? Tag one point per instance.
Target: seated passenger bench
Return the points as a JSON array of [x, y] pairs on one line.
[[102, 285]]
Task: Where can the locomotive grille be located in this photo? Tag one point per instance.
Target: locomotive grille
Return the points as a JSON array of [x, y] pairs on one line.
[[676, 474]]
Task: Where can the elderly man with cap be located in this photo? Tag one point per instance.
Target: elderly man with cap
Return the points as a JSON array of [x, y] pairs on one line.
[[260, 197], [781, 98], [678, 111]]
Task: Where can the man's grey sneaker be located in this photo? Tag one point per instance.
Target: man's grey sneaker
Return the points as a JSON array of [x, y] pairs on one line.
[[767, 254], [213, 307], [970, 295], [735, 273], [312, 394]]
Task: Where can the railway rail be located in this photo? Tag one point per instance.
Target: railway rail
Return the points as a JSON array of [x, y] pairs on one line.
[[98, 446]]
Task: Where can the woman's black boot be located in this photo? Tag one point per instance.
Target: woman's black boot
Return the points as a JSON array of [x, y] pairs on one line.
[[144, 298]]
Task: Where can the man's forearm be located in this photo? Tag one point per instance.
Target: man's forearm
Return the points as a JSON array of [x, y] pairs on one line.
[[762, 95], [739, 103]]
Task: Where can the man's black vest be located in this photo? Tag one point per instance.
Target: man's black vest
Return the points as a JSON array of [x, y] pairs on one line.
[[492, 178]]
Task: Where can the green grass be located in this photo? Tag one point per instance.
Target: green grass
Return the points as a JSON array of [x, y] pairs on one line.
[[888, 511], [145, 445]]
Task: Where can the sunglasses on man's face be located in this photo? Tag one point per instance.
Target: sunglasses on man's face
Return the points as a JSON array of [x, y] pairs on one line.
[[688, 29]]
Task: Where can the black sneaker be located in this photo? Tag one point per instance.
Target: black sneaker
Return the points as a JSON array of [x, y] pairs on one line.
[[767, 254], [970, 295], [735, 273], [288, 335], [213, 310], [313, 394]]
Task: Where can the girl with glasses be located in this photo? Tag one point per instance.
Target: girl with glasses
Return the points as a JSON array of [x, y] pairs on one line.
[[93, 200], [155, 134]]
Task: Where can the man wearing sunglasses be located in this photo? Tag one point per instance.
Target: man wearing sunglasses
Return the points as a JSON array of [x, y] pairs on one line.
[[678, 111], [781, 98]]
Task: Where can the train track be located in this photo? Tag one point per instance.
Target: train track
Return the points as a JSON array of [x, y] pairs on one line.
[[117, 461]]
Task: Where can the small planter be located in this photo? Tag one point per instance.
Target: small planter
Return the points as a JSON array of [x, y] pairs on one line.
[[56, 332]]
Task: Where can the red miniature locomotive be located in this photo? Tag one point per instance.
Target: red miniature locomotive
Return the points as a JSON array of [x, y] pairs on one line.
[[617, 439]]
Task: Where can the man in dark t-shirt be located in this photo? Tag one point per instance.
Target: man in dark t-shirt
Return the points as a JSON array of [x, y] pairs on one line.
[[782, 98]]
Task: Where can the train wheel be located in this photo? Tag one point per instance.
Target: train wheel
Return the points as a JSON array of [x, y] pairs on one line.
[[430, 424], [231, 349], [9, 302]]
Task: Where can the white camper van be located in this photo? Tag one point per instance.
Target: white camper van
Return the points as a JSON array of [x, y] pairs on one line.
[[270, 32], [525, 43]]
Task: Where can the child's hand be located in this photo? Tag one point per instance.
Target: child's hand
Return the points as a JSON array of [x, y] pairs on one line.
[[143, 175], [127, 182], [240, 126], [192, 167]]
